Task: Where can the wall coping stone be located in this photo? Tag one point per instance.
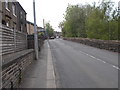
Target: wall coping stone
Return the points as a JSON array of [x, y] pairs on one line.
[[12, 58]]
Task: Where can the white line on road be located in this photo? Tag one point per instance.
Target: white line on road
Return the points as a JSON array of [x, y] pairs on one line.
[[100, 60], [95, 58], [103, 61], [116, 67]]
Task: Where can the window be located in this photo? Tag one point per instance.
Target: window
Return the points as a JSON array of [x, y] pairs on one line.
[[3, 22], [21, 27], [21, 14], [14, 25], [6, 4], [8, 23], [14, 9]]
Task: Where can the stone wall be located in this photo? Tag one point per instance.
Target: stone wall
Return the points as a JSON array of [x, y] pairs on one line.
[[30, 41], [112, 45], [13, 70]]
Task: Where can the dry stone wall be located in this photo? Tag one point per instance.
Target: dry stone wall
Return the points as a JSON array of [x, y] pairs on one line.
[[112, 45]]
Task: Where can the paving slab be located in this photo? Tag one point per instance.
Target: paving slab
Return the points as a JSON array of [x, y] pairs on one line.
[[36, 74]]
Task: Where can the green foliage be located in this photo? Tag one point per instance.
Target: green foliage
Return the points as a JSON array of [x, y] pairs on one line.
[[49, 30], [98, 22], [40, 34], [74, 25]]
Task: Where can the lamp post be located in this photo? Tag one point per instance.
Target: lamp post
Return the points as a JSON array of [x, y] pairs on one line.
[[35, 32]]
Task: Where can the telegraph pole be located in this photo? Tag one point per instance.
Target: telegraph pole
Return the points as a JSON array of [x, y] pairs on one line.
[[44, 24], [45, 28], [35, 32]]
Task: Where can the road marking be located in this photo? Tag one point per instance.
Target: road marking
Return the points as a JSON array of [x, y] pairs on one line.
[[116, 67], [100, 60], [103, 61], [97, 59], [48, 44], [92, 57]]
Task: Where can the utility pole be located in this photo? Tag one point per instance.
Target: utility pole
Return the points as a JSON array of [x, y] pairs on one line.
[[35, 32], [44, 24], [45, 28]]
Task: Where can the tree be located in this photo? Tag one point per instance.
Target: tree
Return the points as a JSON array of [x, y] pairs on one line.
[[97, 21], [75, 18], [49, 30], [102, 22]]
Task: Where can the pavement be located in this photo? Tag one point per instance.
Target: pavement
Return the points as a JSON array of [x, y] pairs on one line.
[[40, 74]]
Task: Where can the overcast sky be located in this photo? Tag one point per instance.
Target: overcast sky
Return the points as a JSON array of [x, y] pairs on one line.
[[51, 10]]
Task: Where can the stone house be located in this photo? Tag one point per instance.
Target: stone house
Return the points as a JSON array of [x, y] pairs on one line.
[[30, 28], [13, 15]]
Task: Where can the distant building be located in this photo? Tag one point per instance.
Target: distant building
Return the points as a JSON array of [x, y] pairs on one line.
[[13, 15], [30, 28], [59, 34], [40, 29], [42, 33]]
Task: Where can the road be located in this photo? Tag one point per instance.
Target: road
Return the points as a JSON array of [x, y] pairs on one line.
[[80, 66]]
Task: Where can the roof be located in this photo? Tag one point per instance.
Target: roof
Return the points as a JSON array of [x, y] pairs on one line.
[[30, 22], [40, 28], [18, 4], [22, 7]]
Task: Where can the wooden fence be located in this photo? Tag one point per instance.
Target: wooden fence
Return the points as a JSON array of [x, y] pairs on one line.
[[12, 40], [15, 56]]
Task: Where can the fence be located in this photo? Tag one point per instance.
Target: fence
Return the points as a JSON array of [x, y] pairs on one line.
[[30, 39], [15, 56], [12, 40]]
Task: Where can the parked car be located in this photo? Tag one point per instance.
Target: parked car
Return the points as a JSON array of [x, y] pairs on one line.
[[52, 37]]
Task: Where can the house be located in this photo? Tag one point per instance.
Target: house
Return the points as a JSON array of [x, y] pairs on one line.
[[57, 34], [30, 28], [14, 16], [40, 29]]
